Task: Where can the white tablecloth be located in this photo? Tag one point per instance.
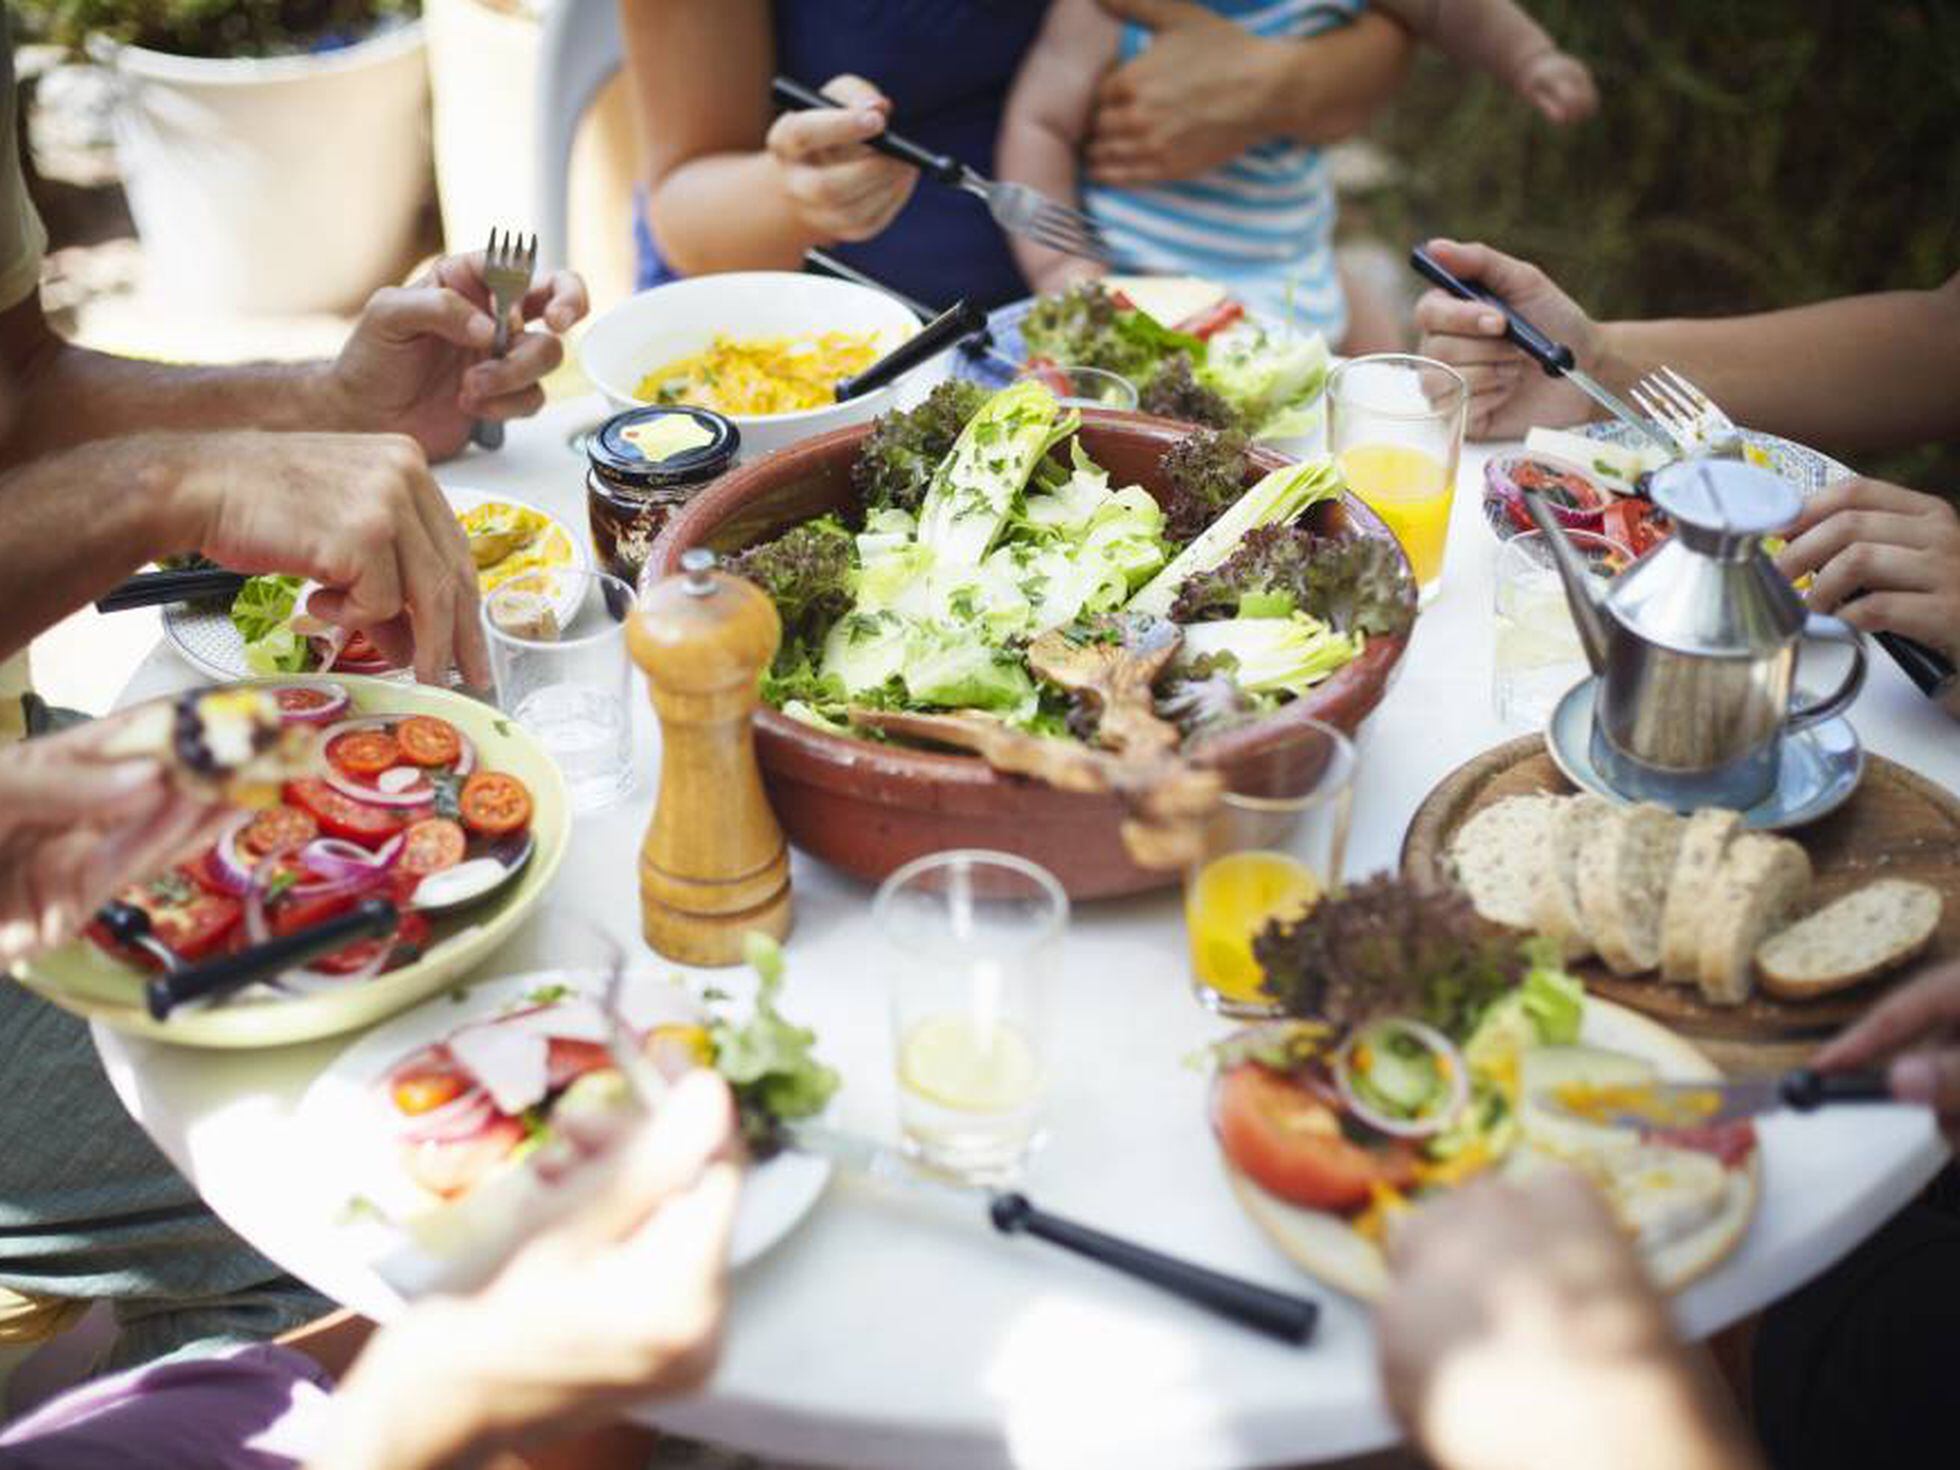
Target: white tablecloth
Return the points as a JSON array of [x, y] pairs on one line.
[[894, 1331]]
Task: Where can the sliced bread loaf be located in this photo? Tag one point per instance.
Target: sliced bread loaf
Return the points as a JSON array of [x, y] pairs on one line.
[[1853, 939], [1624, 865], [1704, 840], [1496, 855], [1555, 888], [1761, 882]]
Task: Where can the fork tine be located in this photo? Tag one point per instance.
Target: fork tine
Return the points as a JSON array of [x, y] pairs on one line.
[[1662, 414], [1700, 399], [1683, 404], [1058, 237]]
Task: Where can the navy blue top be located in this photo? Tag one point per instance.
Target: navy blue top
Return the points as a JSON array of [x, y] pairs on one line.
[[946, 65]]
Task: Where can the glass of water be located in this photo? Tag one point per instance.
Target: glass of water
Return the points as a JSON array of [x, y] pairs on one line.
[[558, 650], [972, 939], [1539, 656]]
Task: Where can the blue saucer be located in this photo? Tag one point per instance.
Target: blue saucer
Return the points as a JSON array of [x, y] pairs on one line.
[[1817, 768]]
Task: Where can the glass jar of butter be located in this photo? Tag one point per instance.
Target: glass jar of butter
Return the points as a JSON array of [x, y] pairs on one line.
[[643, 465]]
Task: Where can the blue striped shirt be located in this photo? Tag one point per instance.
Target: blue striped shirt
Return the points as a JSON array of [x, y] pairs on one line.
[[1263, 223]]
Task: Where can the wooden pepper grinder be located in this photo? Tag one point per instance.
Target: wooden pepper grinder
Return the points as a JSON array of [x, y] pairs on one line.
[[714, 864]]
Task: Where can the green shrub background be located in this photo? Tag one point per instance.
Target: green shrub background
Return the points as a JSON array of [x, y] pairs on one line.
[[1747, 154]]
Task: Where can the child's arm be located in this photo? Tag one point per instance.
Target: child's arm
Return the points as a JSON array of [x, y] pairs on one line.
[[1496, 36], [1046, 121]]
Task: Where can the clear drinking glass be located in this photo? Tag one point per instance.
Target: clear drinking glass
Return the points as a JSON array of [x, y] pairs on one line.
[[1395, 427], [1273, 847], [1085, 387], [1538, 654], [558, 650], [973, 940]]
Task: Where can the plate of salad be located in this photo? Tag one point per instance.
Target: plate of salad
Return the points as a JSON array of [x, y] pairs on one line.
[[254, 634], [421, 795], [1191, 351], [1421, 1049], [458, 1129]]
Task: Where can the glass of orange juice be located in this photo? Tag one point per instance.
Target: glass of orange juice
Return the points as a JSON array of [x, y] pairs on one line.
[[1395, 427], [1271, 849]]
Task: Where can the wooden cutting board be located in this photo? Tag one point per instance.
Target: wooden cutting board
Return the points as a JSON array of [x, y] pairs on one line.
[[1896, 825]]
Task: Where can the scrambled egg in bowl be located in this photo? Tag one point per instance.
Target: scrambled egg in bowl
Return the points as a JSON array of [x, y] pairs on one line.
[[509, 540], [762, 375]]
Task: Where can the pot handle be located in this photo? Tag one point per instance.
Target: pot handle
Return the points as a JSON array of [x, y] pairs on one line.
[[1831, 630]]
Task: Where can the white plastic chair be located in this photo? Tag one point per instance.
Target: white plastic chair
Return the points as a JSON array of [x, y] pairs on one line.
[[578, 52]]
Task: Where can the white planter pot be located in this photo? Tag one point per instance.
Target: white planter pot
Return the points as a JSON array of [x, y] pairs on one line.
[[279, 185]]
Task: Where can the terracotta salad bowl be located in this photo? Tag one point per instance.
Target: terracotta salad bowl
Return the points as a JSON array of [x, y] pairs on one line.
[[869, 807]]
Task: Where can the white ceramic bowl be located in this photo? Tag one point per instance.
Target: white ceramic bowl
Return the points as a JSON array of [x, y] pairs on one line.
[[653, 327]]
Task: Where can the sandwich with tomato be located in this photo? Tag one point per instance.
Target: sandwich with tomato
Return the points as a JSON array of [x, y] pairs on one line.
[[1419, 1050]]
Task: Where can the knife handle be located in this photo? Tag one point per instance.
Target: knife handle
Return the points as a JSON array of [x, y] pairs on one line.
[[1275, 1313], [370, 917], [1554, 357], [792, 96], [1806, 1091], [961, 319]]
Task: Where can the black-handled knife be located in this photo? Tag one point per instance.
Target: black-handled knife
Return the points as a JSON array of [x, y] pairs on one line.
[[151, 589], [792, 96], [961, 319], [1666, 1105], [370, 918]]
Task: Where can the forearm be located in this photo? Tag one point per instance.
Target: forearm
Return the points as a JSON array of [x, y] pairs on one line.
[[1492, 36], [1864, 372], [726, 212], [410, 1402], [1329, 87]]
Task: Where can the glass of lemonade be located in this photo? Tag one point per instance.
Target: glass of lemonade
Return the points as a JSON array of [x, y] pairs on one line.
[[1395, 428], [1538, 656], [973, 940], [1271, 849], [558, 651]]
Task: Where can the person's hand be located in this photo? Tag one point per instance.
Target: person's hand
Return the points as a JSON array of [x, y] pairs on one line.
[[76, 825], [1883, 558], [419, 361], [358, 513], [1188, 104], [1559, 86], [1520, 1324], [1915, 1034], [621, 1304], [842, 189], [1509, 393]]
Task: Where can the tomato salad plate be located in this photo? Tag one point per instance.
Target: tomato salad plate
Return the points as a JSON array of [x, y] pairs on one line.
[[1421, 1051], [424, 797], [453, 1132]]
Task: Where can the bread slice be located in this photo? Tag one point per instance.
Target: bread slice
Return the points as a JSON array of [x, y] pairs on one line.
[[1761, 882], [1623, 870], [1704, 840], [1496, 855], [1555, 890], [1853, 939]]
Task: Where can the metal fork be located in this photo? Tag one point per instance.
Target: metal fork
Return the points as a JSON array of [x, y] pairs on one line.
[[1016, 208], [1687, 415], [509, 261]]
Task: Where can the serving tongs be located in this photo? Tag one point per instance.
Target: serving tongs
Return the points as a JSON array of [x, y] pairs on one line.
[[1016, 208], [182, 982], [958, 321], [153, 589]]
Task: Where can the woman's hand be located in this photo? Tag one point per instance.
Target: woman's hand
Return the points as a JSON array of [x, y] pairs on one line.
[[1915, 1033], [841, 189], [75, 826], [1521, 1324], [1883, 558], [1509, 393]]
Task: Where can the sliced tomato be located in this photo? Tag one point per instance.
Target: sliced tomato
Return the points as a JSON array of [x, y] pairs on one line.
[[495, 803], [568, 1060], [296, 699], [1121, 300], [1213, 319], [183, 914], [342, 816], [432, 845], [1632, 523], [277, 829], [364, 753], [1291, 1143], [423, 1086], [1731, 1142], [456, 1166], [1049, 373], [359, 655], [428, 741], [404, 946]]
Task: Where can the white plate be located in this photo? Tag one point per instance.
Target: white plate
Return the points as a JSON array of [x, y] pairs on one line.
[[345, 1122], [204, 637]]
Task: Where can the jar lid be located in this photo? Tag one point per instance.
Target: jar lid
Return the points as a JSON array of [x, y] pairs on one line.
[[659, 445]]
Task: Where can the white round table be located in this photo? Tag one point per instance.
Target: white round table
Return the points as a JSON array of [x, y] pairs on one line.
[[894, 1330]]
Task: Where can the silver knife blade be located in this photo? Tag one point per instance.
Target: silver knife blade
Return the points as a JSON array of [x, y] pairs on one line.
[[1667, 1104], [1607, 399]]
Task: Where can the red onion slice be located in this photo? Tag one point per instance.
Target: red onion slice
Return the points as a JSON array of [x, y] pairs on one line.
[[1447, 1058], [230, 869], [337, 702], [340, 861], [419, 794]]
